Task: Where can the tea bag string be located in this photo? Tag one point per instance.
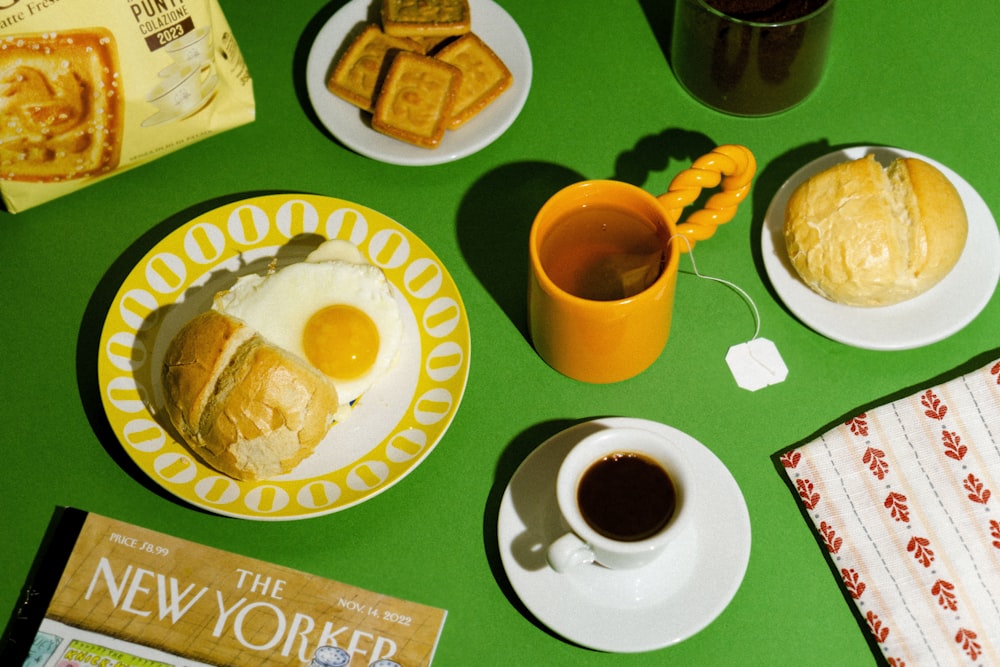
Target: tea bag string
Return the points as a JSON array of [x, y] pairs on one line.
[[727, 283], [755, 363]]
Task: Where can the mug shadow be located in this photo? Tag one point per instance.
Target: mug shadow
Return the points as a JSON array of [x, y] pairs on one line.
[[492, 224], [495, 215], [88, 347]]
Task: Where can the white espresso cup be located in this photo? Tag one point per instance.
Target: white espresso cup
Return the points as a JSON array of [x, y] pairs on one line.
[[624, 494]]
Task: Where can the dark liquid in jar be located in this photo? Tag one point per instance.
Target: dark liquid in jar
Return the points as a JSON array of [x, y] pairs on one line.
[[626, 497], [750, 70], [766, 11]]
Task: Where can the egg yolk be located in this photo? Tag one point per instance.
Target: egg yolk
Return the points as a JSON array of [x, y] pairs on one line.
[[341, 341]]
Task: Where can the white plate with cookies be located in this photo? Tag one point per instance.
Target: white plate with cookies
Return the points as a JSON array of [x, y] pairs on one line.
[[352, 126], [934, 315]]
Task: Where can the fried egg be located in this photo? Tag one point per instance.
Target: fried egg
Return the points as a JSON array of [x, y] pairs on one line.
[[334, 310]]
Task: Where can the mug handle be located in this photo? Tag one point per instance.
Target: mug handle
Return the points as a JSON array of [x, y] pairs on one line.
[[567, 552], [738, 166]]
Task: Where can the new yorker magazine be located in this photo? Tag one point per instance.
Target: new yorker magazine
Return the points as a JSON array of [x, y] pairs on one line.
[[112, 594]]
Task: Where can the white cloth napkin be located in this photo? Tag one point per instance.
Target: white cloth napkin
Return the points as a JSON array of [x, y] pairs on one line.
[[905, 498]]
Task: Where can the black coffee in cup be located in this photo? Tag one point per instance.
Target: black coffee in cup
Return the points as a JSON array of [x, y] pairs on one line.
[[626, 497]]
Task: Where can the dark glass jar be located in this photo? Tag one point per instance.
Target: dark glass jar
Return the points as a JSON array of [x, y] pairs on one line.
[[751, 62]]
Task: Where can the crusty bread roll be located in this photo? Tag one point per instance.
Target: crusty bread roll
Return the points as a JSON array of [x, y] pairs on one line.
[[864, 235], [246, 407]]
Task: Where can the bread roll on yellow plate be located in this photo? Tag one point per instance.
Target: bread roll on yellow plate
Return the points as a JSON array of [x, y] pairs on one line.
[[862, 234], [246, 407]]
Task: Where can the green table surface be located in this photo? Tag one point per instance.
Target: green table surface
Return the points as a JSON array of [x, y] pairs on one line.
[[603, 103]]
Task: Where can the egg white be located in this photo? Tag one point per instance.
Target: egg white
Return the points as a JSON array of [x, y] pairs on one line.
[[278, 305]]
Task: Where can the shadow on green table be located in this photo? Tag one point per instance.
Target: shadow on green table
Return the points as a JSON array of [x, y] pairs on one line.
[[516, 452]]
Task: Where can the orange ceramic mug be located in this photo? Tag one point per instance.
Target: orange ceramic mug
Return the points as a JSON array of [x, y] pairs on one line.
[[604, 258]]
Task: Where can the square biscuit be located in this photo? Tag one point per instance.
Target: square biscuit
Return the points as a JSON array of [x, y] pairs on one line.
[[61, 105], [416, 99], [429, 18], [484, 76], [359, 70]]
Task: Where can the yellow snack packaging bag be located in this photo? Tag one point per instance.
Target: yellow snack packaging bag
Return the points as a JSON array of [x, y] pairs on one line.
[[91, 88]]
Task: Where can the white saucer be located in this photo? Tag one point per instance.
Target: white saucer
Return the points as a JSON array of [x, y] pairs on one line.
[[932, 316], [652, 607], [352, 127]]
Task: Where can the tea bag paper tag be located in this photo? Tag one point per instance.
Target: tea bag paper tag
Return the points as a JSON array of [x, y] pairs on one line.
[[756, 364]]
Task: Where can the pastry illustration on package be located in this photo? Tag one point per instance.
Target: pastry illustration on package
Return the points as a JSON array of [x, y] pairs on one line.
[[61, 105]]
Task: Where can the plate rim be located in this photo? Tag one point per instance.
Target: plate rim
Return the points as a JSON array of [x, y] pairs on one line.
[[112, 377], [856, 326], [332, 111]]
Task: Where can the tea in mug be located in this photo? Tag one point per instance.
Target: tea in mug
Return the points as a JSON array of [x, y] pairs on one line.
[[626, 497], [602, 254]]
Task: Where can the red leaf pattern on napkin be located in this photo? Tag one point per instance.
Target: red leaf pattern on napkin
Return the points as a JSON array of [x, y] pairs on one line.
[[977, 492], [944, 591], [852, 580], [879, 631], [928, 460], [953, 447], [858, 425], [935, 409], [833, 543], [875, 459], [896, 504], [966, 639], [791, 459], [920, 548], [807, 493]]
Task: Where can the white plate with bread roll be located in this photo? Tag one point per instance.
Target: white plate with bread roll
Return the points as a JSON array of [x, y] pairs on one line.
[[352, 126], [836, 298], [266, 434]]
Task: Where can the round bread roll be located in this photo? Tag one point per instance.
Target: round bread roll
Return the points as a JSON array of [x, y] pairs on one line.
[[864, 235], [246, 407]]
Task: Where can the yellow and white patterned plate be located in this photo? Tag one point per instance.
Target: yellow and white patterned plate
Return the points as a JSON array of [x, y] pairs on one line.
[[394, 425]]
